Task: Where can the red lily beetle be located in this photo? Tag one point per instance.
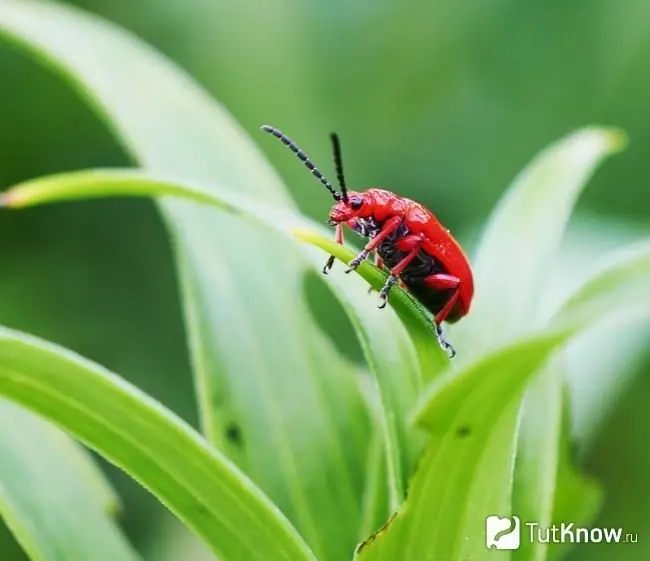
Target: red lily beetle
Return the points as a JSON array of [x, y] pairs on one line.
[[407, 239]]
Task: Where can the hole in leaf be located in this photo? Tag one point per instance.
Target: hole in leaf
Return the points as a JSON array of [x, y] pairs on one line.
[[463, 431], [233, 434]]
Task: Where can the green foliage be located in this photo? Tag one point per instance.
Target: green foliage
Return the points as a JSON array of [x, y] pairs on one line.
[[195, 481], [43, 473], [304, 451]]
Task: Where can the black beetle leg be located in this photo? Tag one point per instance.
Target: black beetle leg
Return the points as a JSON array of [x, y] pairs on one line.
[[352, 265], [383, 294], [451, 352], [328, 265]]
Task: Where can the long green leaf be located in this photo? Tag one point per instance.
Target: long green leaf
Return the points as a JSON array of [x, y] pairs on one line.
[[620, 285], [536, 463], [473, 487], [386, 344], [464, 474], [44, 507], [511, 267], [391, 357], [577, 498], [274, 404], [472, 413], [376, 497], [523, 235], [103, 183], [547, 489], [160, 451], [414, 316]]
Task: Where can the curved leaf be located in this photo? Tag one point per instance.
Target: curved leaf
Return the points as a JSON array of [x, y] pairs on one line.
[[101, 183], [616, 289], [511, 267], [472, 415], [464, 474], [43, 507], [578, 497], [159, 450], [523, 235], [273, 404], [547, 489], [376, 496], [413, 315], [387, 348], [543, 465]]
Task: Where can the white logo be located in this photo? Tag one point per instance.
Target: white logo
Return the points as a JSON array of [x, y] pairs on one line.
[[502, 532]]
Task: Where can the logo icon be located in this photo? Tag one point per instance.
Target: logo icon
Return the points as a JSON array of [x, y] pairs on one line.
[[502, 532]]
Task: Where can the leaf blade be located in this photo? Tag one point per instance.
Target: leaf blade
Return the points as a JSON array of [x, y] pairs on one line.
[[616, 289], [449, 474], [466, 398], [151, 444], [386, 345], [43, 509], [168, 124], [524, 233], [544, 474]]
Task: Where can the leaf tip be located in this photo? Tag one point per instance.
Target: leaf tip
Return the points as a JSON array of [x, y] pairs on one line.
[[614, 139], [8, 200], [618, 139]]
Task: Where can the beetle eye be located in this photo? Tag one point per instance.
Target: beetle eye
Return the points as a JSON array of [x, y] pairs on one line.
[[356, 203]]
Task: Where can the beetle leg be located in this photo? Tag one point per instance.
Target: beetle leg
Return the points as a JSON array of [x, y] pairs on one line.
[[444, 282], [352, 265], [383, 294], [395, 272], [388, 228], [339, 240], [451, 352], [408, 242]]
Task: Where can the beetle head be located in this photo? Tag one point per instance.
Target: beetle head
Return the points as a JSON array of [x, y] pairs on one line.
[[355, 205]]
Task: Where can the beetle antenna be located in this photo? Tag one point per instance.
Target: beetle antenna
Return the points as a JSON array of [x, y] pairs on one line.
[[304, 158], [338, 162]]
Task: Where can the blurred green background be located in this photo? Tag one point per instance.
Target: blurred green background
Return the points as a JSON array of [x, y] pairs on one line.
[[441, 101]]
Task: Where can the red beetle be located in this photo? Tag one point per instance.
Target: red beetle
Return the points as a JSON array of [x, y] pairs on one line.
[[407, 239]]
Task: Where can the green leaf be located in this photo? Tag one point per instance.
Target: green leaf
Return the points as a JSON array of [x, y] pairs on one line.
[[43, 507], [160, 451], [537, 458], [464, 474], [416, 319], [619, 288], [402, 357], [376, 495], [472, 415], [286, 408], [523, 235], [511, 268], [577, 498], [547, 488], [386, 343], [88, 470], [391, 358]]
